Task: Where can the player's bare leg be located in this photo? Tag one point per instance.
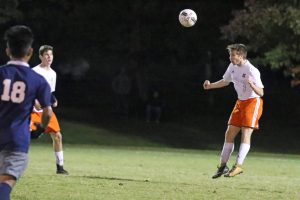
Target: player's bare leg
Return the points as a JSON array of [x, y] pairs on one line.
[[228, 148], [58, 150]]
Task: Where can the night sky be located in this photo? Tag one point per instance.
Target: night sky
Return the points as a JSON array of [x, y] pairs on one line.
[[93, 40]]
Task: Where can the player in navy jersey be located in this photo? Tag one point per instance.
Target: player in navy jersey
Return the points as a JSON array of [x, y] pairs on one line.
[[19, 87]]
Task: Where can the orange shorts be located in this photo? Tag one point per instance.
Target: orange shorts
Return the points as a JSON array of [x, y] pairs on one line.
[[246, 113], [53, 126]]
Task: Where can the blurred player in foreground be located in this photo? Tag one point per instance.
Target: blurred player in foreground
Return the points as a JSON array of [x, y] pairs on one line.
[[19, 87], [44, 69], [248, 108]]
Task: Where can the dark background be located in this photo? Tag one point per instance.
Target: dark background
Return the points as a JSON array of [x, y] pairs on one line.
[[93, 39]]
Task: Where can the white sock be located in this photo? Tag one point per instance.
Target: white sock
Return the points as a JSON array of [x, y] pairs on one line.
[[226, 152], [244, 149], [59, 158]]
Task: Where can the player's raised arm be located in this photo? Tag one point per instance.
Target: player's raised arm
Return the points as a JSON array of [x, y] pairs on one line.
[[259, 91], [207, 85]]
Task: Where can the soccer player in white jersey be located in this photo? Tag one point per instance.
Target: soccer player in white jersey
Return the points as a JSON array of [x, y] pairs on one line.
[[248, 108], [44, 69]]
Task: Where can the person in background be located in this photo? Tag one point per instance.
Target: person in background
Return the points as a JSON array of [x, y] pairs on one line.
[[121, 86], [154, 107]]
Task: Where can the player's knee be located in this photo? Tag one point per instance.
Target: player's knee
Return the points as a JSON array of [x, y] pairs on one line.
[[229, 140], [57, 137], [229, 137]]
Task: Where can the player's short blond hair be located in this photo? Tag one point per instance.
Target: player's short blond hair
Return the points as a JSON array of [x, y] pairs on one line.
[[45, 48], [241, 49]]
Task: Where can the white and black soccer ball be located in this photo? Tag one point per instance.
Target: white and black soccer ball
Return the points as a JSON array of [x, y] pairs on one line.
[[187, 18]]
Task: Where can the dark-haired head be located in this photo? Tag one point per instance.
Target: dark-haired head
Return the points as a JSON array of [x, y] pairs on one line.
[[19, 39]]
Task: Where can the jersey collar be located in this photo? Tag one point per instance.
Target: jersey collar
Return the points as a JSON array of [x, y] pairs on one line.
[[16, 62]]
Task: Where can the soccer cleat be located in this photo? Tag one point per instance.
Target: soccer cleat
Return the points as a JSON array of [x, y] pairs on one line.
[[236, 169], [221, 170], [61, 170]]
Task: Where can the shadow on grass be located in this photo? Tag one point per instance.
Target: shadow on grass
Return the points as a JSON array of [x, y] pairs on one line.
[[112, 178], [134, 180]]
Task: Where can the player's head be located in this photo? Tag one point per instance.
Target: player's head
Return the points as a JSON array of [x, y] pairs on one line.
[[19, 39], [46, 54], [237, 52], [45, 48], [240, 49]]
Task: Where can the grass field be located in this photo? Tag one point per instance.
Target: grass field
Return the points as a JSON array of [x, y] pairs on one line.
[[108, 165]]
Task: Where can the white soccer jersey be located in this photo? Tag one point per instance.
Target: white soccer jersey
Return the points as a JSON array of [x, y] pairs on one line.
[[239, 75], [48, 74]]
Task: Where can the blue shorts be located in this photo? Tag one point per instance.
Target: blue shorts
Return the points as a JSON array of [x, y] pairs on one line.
[[13, 163]]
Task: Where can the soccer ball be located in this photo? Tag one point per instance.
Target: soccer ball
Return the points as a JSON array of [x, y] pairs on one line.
[[187, 18]]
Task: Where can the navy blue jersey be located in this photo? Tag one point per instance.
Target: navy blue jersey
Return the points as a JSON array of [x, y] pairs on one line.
[[19, 87]]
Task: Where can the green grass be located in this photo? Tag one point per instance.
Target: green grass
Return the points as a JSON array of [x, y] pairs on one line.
[[107, 165]]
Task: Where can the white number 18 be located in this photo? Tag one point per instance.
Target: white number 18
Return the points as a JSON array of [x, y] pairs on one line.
[[17, 93]]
